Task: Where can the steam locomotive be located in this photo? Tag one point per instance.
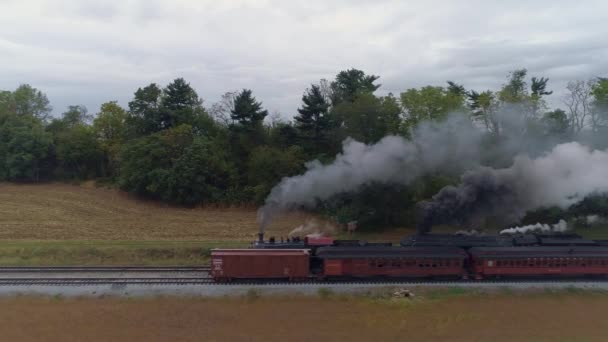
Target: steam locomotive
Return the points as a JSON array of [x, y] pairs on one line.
[[418, 256]]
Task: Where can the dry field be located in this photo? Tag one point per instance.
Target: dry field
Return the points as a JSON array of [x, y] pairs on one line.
[[72, 212], [62, 224], [497, 317]]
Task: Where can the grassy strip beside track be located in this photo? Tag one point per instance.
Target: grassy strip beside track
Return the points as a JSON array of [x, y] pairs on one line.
[[54, 253], [430, 316]]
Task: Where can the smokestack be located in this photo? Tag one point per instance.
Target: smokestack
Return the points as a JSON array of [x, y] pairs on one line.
[[260, 238]]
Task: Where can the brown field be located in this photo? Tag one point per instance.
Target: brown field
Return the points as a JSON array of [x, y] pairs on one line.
[[496, 317], [73, 212]]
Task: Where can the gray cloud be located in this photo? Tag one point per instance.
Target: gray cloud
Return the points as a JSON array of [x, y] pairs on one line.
[[89, 52]]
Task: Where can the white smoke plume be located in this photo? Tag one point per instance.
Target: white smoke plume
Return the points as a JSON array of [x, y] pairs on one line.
[[450, 145], [592, 219], [565, 176], [314, 229], [559, 227]]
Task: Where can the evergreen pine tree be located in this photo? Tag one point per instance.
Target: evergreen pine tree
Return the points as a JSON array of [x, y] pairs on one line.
[[312, 122], [247, 112]]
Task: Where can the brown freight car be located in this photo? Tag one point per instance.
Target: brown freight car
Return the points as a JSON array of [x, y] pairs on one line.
[[230, 264]]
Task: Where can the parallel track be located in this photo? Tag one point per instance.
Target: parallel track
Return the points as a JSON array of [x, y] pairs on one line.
[[166, 275], [69, 269]]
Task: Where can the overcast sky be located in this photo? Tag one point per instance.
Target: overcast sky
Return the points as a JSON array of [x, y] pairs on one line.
[[89, 52]]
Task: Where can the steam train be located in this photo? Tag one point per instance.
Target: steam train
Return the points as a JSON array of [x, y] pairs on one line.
[[419, 256]]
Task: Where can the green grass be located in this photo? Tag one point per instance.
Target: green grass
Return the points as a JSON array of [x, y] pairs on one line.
[[55, 253]]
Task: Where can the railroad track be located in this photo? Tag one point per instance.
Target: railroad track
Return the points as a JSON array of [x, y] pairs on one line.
[[104, 275], [201, 275], [13, 269], [104, 281]]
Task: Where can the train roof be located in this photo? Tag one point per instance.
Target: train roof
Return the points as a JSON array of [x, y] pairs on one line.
[[257, 252], [464, 241], [389, 252], [539, 251], [573, 241]]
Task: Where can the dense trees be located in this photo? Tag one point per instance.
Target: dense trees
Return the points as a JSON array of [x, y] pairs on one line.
[[167, 146], [24, 148]]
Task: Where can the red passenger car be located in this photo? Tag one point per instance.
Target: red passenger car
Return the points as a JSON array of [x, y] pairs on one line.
[[229, 264], [392, 261], [538, 261]]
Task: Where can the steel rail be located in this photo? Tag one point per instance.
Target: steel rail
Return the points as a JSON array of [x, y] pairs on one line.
[[67, 269]]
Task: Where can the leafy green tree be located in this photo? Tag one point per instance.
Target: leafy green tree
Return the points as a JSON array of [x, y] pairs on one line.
[[146, 162], [76, 115], [283, 135], [351, 83], [268, 165], [202, 174], [313, 123], [515, 90], [513, 98], [78, 153], [31, 101], [7, 105], [600, 104], [556, 123], [109, 123], [390, 117], [144, 111], [365, 119], [515, 93], [431, 103], [483, 108], [109, 126], [24, 148], [175, 165]]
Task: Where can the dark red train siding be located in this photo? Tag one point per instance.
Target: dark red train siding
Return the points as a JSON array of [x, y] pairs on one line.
[[407, 267], [393, 262], [539, 261], [229, 264]]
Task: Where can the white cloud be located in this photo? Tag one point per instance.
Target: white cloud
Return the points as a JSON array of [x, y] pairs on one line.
[[89, 52]]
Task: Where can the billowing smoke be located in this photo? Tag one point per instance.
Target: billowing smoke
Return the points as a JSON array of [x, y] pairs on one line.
[[562, 177], [559, 227], [450, 145], [313, 227]]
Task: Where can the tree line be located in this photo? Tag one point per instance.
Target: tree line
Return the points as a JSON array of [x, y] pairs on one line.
[[167, 145]]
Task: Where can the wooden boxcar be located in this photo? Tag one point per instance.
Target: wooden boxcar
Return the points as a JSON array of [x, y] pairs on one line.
[[392, 261], [229, 264], [538, 261]]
